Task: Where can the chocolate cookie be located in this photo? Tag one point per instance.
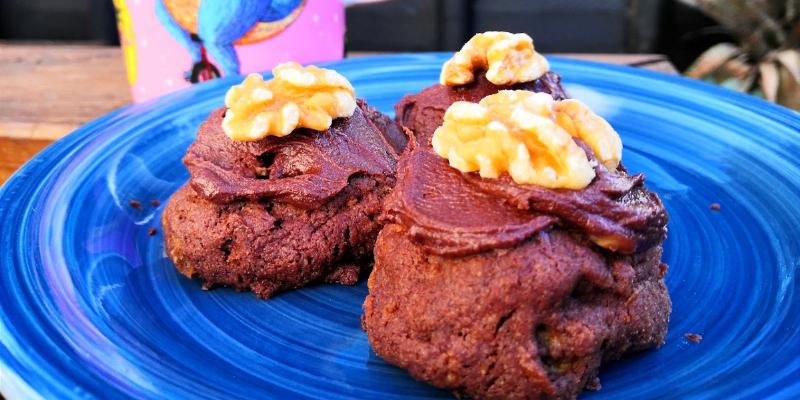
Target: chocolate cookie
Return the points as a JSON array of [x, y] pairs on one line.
[[498, 290], [529, 322], [282, 212]]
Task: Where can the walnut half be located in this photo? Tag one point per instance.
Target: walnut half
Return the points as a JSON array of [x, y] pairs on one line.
[[296, 97], [507, 58], [528, 135]]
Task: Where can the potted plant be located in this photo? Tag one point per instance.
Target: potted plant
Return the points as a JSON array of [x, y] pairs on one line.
[[766, 61]]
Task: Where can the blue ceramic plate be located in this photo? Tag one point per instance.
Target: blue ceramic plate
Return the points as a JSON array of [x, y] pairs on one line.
[[90, 306]]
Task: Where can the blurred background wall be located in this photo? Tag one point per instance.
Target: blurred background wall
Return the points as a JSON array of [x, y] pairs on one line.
[[588, 26], [70, 20]]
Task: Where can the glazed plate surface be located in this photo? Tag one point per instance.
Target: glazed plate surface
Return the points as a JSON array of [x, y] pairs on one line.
[[90, 306]]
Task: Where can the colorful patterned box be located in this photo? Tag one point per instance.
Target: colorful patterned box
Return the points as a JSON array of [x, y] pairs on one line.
[[171, 44]]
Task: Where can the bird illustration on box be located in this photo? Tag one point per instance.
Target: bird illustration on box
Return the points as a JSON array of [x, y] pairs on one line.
[[212, 28]]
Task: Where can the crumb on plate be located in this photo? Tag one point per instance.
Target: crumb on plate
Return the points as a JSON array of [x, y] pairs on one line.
[[693, 337]]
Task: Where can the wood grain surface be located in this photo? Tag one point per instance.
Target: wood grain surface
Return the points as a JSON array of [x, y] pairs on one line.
[[49, 90]]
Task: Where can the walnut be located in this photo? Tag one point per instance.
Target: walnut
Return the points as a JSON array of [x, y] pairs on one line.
[[507, 58], [297, 97], [530, 136], [577, 119]]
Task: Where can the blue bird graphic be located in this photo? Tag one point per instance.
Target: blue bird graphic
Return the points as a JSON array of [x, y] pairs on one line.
[[212, 27]]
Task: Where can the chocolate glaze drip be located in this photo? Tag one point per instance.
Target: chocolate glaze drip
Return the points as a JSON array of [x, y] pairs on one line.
[[454, 213], [305, 168]]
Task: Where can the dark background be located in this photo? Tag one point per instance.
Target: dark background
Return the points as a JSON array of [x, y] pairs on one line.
[[585, 26]]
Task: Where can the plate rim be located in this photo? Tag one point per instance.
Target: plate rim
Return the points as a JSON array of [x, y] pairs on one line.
[[46, 166]]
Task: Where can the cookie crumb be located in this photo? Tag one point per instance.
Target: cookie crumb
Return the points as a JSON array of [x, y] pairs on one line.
[[693, 337], [152, 231], [594, 384], [715, 207], [662, 269], [155, 203], [135, 204]]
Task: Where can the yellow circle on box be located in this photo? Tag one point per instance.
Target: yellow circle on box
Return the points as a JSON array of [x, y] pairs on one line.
[[185, 13]]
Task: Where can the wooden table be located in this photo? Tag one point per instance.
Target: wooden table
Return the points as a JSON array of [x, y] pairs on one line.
[[46, 91]]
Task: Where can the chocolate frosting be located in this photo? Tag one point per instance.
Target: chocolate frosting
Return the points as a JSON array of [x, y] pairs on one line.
[[305, 168], [452, 213]]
